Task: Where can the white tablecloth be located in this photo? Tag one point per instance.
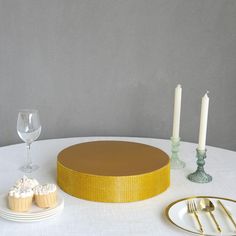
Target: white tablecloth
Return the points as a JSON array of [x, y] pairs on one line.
[[81, 217]]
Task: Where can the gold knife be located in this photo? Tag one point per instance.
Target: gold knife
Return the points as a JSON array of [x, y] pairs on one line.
[[228, 213]]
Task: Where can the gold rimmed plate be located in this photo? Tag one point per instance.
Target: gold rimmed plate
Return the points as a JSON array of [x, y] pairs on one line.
[[177, 214]]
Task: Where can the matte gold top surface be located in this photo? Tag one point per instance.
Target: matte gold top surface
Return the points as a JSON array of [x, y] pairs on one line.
[[113, 158]]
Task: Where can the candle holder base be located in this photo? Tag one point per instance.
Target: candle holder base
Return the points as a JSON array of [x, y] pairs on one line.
[[200, 176], [175, 162]]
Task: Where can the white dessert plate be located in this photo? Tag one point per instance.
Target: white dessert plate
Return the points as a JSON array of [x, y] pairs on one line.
[[177, 214], [34, 214], [45, 212], [29, 220]]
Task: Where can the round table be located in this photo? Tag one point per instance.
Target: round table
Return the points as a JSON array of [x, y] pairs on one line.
[[81, 217]]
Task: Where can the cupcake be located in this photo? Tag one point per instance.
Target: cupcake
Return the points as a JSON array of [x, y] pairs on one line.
[[26, 182], [20, 199], [45, 195]]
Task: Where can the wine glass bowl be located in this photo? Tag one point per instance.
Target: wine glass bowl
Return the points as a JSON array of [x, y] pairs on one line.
[[28, 129]]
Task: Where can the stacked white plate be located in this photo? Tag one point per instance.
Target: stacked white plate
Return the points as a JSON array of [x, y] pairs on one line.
[[33, 215]]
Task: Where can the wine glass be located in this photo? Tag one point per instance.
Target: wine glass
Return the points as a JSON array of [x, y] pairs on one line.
[[29, 129]]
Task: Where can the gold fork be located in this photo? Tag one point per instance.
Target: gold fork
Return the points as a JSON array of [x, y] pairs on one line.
[[192, 209]]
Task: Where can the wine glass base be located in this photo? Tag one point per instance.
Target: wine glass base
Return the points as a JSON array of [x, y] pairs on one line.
[[29, 169]]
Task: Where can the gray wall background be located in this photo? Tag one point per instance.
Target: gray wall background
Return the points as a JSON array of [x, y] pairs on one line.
[[109, 67]]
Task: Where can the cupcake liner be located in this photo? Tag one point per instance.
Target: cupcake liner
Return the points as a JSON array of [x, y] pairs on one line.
[[46, 200], [20, 204]]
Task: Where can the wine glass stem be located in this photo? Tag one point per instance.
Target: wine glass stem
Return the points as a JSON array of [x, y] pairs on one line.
[[29, 161]]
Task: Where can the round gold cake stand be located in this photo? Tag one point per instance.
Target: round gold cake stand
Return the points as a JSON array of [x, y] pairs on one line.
[[113, 171]]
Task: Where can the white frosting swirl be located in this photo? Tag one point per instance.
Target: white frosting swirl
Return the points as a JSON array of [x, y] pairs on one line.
[[44, 189], [20, 192], [26, 182]]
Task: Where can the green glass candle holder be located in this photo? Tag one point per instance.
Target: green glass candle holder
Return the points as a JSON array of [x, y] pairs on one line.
[[175, 162], [200, 176]]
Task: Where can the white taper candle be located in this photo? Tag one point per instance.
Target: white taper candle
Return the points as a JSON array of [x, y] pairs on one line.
[[177, 109], [203, 122]]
